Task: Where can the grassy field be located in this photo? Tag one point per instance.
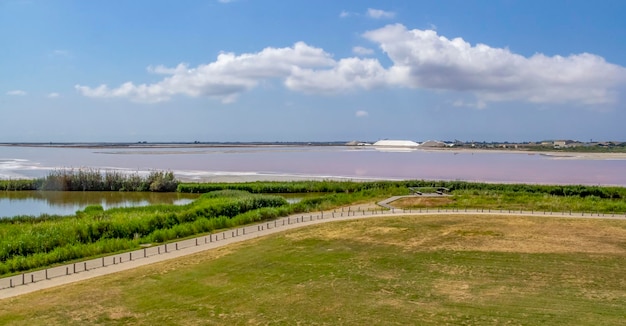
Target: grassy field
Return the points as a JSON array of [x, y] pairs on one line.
[[380, 271]]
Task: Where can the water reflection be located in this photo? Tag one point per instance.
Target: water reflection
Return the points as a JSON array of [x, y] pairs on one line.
[[14, 203]]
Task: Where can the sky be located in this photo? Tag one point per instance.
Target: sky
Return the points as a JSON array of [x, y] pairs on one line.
[[312, 70]]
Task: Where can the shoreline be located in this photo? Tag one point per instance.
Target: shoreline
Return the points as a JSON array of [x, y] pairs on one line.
[[551, 154], [182, 145]]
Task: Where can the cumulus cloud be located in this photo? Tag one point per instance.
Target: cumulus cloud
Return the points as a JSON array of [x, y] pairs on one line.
[[17, 92], [53, 95], [361, 114], [423, 59], [380, 14], [359, 50], [224, 79], [346, 74], [419, 59]]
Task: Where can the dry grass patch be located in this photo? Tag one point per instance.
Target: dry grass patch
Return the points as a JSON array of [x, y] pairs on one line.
[[524, 234]]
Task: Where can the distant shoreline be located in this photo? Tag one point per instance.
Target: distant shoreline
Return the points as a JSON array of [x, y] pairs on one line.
[[156, 145]]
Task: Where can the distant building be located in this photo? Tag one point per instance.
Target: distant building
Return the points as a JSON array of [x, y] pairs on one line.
[[396, 143]]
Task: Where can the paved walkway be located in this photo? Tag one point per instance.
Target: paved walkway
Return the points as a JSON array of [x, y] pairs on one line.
[[56, 276]]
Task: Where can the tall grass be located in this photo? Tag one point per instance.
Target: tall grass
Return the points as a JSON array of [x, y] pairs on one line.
[[19, 185], [95, 180], [37, 242]]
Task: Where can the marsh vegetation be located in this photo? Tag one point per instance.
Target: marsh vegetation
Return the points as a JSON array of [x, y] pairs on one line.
[[31, 242]]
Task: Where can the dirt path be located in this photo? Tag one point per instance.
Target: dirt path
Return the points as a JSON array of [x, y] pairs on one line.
[[56, 276]]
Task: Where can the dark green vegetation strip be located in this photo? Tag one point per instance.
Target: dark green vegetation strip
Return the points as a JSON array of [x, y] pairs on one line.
[[391, 271], [403, 187], [95, 180]]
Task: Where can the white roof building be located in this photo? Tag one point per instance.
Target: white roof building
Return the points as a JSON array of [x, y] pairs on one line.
[[396, 143]]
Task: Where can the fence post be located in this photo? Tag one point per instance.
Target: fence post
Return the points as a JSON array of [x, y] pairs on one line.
[[23, 279], [32, 278], [85, 266], [46, 273]]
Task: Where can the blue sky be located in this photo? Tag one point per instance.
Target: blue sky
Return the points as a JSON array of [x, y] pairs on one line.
[[253, 70]]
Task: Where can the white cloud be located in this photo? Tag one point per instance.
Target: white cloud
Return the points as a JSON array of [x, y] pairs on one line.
[[361, 114], [345, 14], [423, 59], [359, 50], [347, 74], [419, 59], [223, 79], [380, 14], [17, 92], [53, 95]]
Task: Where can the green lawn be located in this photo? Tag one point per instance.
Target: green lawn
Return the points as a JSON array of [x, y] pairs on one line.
[[382, 271]]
